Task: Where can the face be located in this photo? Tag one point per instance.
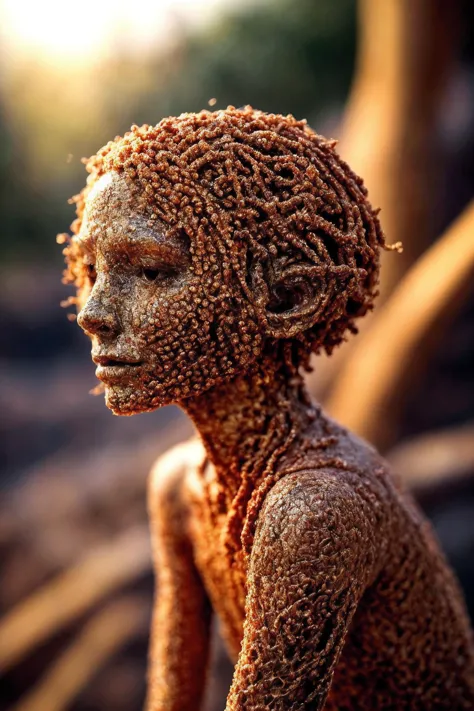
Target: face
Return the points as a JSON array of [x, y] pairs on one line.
[[157, 337]]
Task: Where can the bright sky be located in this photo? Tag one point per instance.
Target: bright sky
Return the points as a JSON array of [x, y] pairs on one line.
[[87, 30]]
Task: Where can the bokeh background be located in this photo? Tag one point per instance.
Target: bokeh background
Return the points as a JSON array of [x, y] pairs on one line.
[[394, 82]]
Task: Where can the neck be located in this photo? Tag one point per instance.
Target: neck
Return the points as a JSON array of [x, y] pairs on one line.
[[245, 423]]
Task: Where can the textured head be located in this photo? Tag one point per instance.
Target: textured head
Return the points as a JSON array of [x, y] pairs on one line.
[[205, 240]]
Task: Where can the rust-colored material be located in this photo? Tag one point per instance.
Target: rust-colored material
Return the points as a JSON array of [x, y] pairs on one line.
[[212, 254]]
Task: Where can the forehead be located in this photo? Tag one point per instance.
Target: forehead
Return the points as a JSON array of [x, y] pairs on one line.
[[115, 217], [111, 198]]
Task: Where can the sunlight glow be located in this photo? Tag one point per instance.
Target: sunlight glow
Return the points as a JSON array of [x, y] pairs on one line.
[[88, 30]]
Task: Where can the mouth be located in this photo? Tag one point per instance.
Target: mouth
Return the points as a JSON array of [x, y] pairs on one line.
[[111, 367]]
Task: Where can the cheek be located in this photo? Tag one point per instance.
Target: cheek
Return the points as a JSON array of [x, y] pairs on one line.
[[190, 341], [174, 330], [197, 341], [178, 326], [166, 319]]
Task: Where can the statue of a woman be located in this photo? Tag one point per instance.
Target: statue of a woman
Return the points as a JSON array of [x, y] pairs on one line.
[[213, 253]]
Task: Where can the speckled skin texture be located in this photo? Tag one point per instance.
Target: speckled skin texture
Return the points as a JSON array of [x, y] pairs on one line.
[[212, 254]]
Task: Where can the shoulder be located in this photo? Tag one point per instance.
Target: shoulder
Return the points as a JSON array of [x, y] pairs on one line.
[[314, 491], [348, 478], [168, 473], [315, 513]]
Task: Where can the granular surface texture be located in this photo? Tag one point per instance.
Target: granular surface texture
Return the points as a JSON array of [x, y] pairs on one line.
[[212, 254]]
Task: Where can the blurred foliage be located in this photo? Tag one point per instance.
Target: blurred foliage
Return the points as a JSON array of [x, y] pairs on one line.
[[287, 56], [282, 55]]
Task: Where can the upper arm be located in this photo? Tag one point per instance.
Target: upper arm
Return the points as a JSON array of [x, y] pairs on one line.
[[165, 487], [314, 553], [172, 547]]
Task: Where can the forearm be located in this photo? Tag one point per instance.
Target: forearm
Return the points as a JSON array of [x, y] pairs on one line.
[[179, 640], [179, 646], [289, 667]]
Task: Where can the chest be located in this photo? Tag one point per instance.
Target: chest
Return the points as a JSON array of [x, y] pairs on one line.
[[224, 582]]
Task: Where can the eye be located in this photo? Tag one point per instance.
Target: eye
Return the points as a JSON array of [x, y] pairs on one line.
[[91, 273], [154, 275]]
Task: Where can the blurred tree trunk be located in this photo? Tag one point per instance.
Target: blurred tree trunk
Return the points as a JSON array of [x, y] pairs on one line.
[[389, 131], [373, 382], [405, 56]]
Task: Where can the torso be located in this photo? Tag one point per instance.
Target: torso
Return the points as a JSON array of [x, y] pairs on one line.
[[225, 587], [410, 627]]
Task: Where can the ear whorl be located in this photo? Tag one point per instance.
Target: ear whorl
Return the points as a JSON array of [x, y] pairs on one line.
[[291, 297]]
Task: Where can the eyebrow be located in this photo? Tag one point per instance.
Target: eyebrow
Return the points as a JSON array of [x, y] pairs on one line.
[[155, 238], [166, 247], [142, 236]]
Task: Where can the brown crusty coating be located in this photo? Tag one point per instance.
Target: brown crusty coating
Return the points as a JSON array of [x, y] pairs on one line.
[[212, 254]]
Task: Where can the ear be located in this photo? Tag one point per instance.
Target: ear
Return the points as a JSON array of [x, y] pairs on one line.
[[297, 295]]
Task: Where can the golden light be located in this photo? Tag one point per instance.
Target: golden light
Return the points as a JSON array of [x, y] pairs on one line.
[[87, 30]]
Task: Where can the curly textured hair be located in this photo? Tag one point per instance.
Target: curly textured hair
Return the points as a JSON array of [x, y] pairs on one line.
[[273, 200]]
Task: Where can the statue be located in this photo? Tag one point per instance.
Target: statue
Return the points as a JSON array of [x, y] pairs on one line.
[[212, 254]]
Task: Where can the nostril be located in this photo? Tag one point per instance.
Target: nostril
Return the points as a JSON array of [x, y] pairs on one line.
[[93, 322]]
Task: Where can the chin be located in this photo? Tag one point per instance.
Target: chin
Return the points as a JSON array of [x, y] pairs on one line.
[[125, 401]]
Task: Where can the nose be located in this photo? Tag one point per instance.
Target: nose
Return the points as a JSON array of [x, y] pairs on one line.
[[98, 318]]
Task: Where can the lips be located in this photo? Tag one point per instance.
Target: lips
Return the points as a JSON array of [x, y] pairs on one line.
[[112, 367]]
